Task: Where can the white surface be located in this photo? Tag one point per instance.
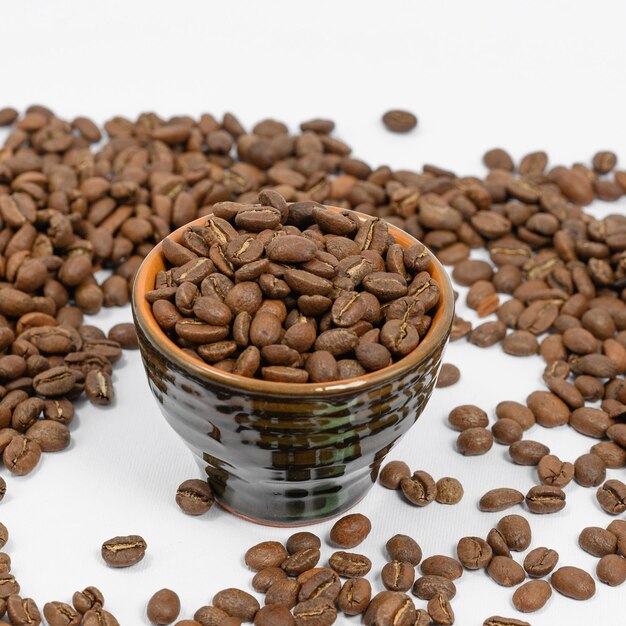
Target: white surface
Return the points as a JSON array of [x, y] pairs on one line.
[[522, 75]]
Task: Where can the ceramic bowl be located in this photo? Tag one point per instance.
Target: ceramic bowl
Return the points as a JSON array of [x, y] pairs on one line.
[[284, 453]]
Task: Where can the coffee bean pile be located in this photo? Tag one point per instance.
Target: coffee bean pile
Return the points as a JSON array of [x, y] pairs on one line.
[[280, 292]]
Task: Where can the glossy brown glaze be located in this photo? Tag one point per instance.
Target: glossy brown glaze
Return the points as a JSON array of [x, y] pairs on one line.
[[282, 453]]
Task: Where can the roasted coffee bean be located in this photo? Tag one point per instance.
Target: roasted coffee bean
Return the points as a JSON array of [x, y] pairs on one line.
[[532, 596], [540, 562], [56, 381], [51, 436], [440, 565], [589, 470], [354, 596], [350, 565], [440, 610], [265, 578], [301, 561], [474, 441], [611, 569], [549, 410], [283, 592], [22, 611], [88, 598], [449, 491], [614, 456], [573, 582], [390, 608], [419, 489], [398, 576], [516, 412], [500, 499], [324, 583], [597, 541], [316, 612], [302, 541], [125, 334], [612, 496], [516, 532], [123, 551], [528, 452], [474, 552], [467, 416], [496, 620], [506, 431], [404, 549], [505, 571], [552, 471], [236, 603], [163, 607], [195, 496], [545, 499], [21, 455], [61, 614], [426, 587], [392, 474], [350, 530], [399, 121], [99, 387], [265, 554], [448, 375]]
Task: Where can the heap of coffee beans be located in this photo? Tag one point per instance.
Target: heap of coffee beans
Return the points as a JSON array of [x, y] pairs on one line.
[[293, 293]]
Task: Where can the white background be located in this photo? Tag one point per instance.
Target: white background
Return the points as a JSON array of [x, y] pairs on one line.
[[524, 75]]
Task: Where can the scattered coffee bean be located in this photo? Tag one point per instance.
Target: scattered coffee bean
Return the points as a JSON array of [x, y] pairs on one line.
[[532, 596], [589, 470], [123, 551], [440, 565], [545, 499], [393, 473], [467, 416], [611, 569], [540, 562], [420, 489], [448, 375], [474, 441], [429, 586], [449, 491], [552, 471], [399, 121], [405, 549], [573, 582], [474, 552], [195, 496], [354, 596], [398, 576], [500, 499], [505, 571], [236, 603], [163, 607], [496, 620], [612, 496], [350, 530], [389, 608], [349, 564], [597, 541], [265, 554], [528, 452]]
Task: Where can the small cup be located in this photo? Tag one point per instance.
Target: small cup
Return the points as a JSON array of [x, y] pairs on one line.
[[287, 454]]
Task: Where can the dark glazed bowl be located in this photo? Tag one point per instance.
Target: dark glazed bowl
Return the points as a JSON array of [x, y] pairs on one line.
[[284, 453]]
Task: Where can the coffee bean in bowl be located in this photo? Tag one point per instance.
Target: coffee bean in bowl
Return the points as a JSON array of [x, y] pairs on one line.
[[250, 318]]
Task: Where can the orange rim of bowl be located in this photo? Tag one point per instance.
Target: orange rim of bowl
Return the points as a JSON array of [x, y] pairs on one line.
[[437, 333]]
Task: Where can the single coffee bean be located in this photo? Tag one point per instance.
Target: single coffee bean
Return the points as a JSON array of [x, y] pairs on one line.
[[528, 452], [392, 474], [420, 489], [549, 409], [545, 499], [552, 471], [500, 499], [405, 549], [611, 569], [474, 441], [399, 121], [354, 596], [390, 608], [301, 561], [440, 565], [516, 532], [350, 565], [597, 541], [317, 612], [540, 562], [265, 578], [614, 456], [449, 491], [125, 334], [22, 611], [474, 552], [163, 607], [449, 374], [589, 470], [265, 554], [324, 583], [532, 596], [123, 551], [507, 431], [195, 496], [427, 587], [573, 582], [440, 610], [505, 571], [302, 541], [468, 416], [611, 496], [350, 530], [99, 387], [398, 576], [21, 455], [89, 598], [61, 614], [236, 603], [283, 592], [50, 435], [516, 412]]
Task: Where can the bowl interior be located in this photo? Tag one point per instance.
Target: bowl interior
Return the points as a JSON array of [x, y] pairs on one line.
[[438, 332]]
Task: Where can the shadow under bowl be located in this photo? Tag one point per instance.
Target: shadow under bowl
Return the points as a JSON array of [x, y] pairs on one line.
[[288, 454]]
